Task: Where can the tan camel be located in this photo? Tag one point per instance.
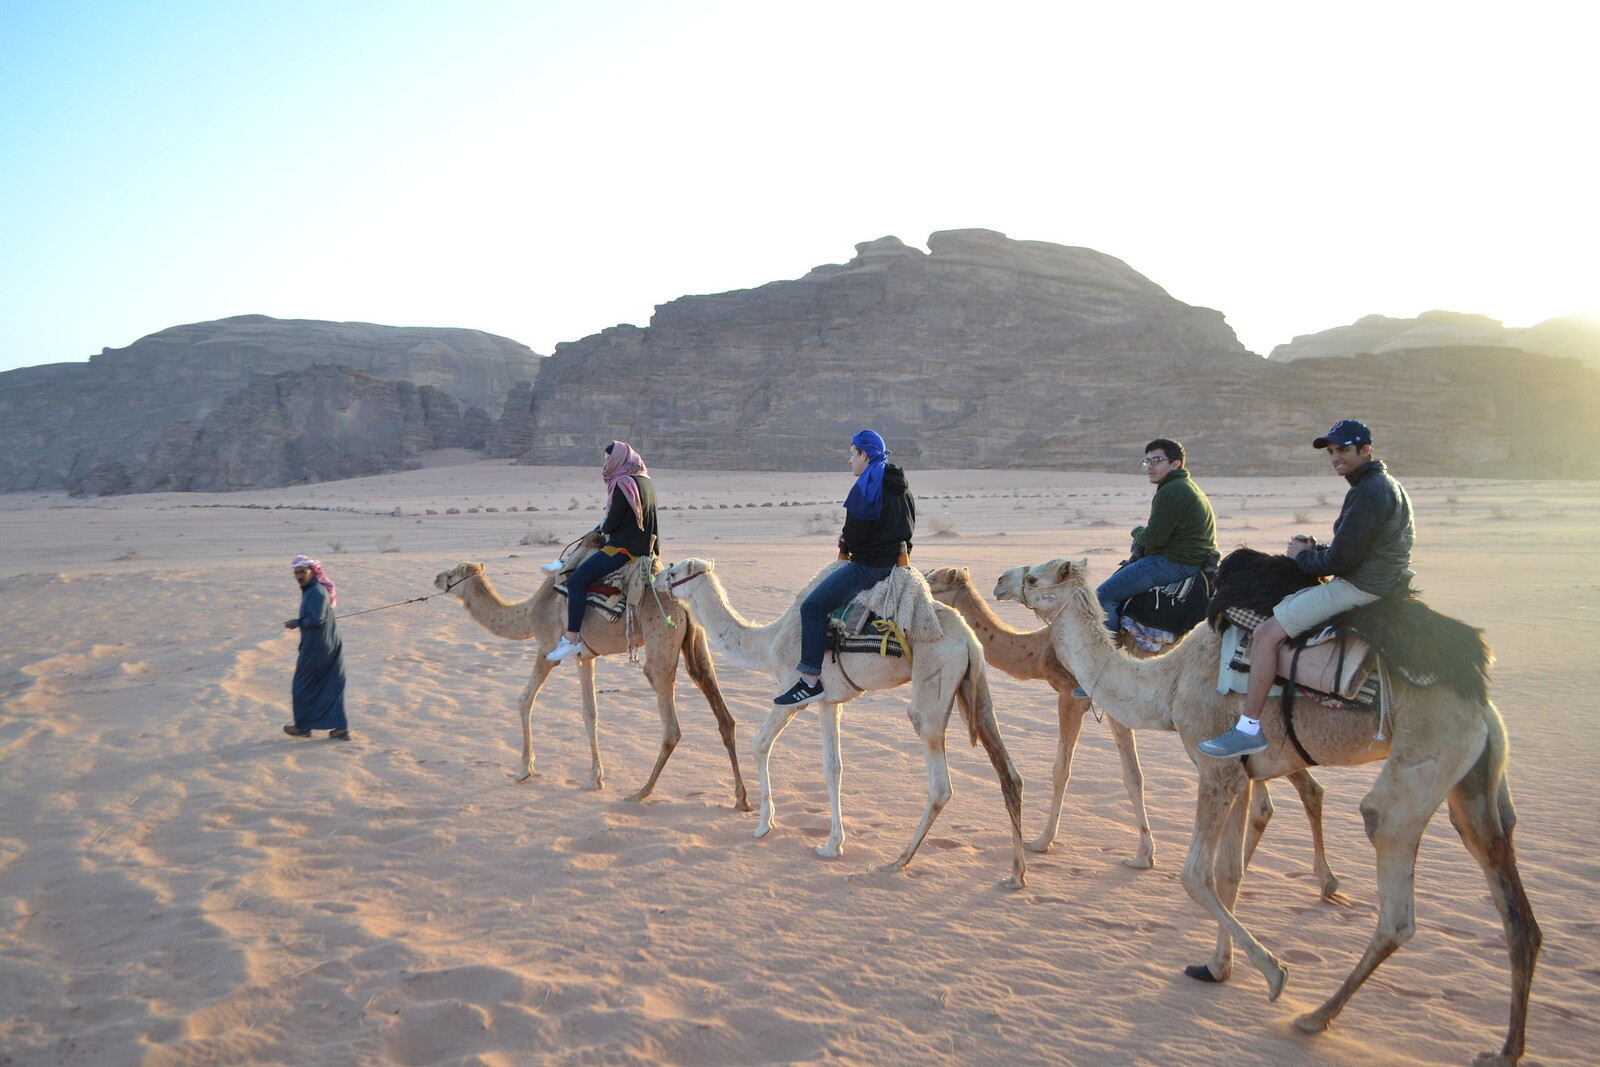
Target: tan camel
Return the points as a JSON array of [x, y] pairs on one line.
[[1030, 655], [543, 618], [948, 670], [1441, 747]]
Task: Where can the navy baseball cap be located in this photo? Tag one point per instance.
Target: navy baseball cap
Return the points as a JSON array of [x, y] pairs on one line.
[[1345, 432]]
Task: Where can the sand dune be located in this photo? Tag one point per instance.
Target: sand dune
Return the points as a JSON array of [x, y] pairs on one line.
[[183, 884]]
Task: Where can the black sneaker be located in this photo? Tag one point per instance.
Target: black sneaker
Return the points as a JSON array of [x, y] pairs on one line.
[[799, 693]]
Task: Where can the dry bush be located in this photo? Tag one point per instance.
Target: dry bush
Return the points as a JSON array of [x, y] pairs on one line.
[[538, 535], [821, 522]]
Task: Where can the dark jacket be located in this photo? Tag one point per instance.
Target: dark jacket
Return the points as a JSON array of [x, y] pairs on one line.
[[622, 529], [1372, 537], [876, 542], [1182, 526]]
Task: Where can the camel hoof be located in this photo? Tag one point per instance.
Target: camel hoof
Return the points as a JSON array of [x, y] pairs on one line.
[[1139, 863], [764, 829], [1201, 972], [829, 852], [637, 798], [1330, 890], [1276, 981], [524, 776], [1312, 1022], [1015, 881], [1041, 846], [743, 805], [893, 868], [1493, 1059]]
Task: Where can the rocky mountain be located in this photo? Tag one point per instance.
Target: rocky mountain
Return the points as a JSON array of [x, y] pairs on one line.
[[980, 352], [988, 352], [1569, 337], [316, 425], [62, 421]]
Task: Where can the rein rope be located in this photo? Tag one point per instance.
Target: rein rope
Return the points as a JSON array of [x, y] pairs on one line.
[[396, 604]]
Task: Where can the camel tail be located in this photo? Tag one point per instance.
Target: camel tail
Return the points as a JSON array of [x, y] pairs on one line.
[[977, 708]]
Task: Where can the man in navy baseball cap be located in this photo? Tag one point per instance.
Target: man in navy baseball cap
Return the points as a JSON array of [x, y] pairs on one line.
[[1345, 432], [1369, 559]]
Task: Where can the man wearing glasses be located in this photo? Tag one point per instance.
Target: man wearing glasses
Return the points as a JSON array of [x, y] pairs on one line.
[[1370, 558], [1180, 536]]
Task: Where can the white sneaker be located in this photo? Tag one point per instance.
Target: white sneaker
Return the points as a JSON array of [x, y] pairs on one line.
[[553, 567], [564, 650]]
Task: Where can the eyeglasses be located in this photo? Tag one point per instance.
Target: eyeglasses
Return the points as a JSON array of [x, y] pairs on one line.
[[1155, 461]]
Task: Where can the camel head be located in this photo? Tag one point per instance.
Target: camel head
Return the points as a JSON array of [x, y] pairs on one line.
[[681, 573], [448, 581], [946, 582], [1045, 587]]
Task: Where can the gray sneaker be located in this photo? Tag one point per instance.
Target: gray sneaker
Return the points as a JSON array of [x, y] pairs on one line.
[[1234, 743]]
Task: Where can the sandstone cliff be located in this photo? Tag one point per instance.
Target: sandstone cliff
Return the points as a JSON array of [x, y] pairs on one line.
[[316, 425], [988, 352], [981, 352], [61, 421]]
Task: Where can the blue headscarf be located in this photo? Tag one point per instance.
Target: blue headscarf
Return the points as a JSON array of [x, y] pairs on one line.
[[866, 496]]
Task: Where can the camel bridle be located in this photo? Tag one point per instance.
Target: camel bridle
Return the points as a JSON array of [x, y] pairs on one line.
[[687, 578]]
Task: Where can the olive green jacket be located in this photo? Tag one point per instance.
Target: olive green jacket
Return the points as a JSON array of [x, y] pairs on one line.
[[1182, 526]]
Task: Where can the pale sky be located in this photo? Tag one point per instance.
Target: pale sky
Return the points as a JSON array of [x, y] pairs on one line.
[[545, 170]]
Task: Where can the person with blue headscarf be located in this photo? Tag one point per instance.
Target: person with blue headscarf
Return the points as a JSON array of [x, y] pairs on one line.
[[880, 518]]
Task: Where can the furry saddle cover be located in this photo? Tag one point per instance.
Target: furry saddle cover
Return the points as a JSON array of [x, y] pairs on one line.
[[1425, 647], [882, 618]]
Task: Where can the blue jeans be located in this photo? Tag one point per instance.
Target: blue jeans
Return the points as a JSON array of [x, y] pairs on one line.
[[1142, 575], [834, 591], [592, 569]]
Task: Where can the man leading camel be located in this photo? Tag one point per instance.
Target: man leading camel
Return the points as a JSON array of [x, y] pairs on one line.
[[1369, 559]]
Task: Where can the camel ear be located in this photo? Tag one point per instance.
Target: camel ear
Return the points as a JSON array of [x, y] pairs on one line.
[[1081, 564]]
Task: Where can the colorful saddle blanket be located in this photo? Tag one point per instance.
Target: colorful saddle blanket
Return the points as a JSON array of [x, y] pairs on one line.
[[852, 628], [609, 600], [1333, 667]]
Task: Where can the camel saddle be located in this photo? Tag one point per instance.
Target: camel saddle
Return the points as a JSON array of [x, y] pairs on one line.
[[1424, 646], [609, 600], [1158, 617], [854, 628]]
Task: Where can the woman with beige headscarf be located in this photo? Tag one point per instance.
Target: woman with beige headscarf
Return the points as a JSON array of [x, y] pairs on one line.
[[629, 530]]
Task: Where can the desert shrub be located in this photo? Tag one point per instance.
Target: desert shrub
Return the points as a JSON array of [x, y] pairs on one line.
[[822, 522], [538, 535]]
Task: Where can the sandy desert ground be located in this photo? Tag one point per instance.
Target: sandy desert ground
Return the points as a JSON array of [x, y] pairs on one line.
[[183, 884]]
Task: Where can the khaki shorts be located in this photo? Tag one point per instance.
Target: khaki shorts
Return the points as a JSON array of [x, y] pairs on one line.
[[1299, 612]]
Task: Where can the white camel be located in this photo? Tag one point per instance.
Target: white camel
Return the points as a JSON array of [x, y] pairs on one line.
[[941, 672]]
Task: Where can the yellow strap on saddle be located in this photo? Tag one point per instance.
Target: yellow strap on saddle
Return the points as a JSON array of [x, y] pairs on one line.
[[887, 628]]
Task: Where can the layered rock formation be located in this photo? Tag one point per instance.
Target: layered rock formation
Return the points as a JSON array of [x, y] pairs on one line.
[[981, 352], [316, 425], [1569, 337], [988, 352], [62, 421]]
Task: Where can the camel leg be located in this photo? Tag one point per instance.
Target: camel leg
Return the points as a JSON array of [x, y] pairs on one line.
[[591, 720], [832, 773], [1219, 823], [1231, 861], [1481, 811], [1396, 812], [776, 720], [1261, 810], [1310, 791], [663, 679], [1133, 782], [541, 670], [1070, 711], [697, 660], [938, 784]]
